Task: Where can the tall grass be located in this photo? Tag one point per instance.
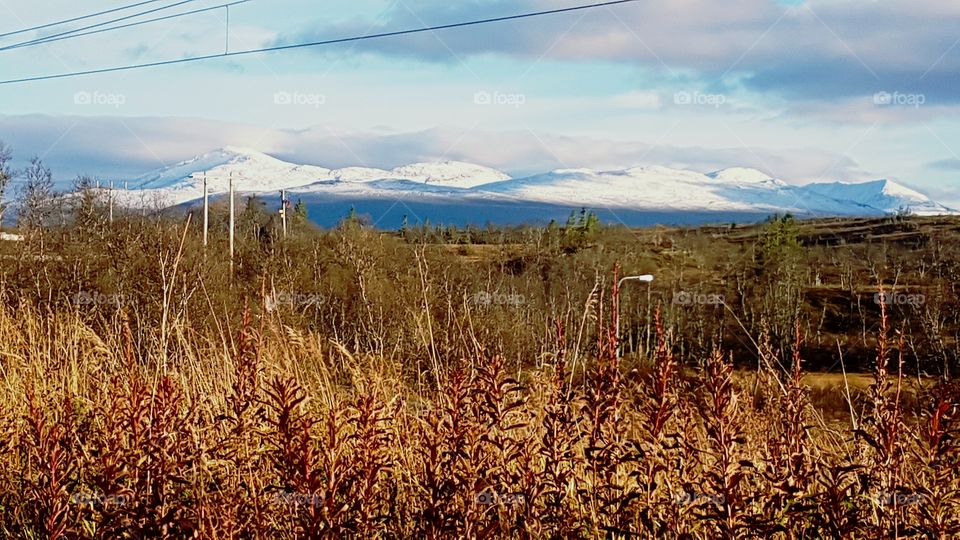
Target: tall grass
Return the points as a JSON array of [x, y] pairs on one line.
[[273, 432]]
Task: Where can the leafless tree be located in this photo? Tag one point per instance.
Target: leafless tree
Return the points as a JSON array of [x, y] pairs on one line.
[[36, 195], [6, 156]]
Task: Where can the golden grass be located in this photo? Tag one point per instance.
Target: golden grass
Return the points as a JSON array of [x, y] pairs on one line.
[[274, 433]]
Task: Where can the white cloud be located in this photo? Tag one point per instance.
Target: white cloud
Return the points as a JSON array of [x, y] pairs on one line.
[[639, 100], [126, 147], [818, 49]]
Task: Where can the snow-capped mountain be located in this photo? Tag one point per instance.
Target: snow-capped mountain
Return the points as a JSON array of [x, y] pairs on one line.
[[252, 170], [446, 173], [744, 175], [658, 188], [886, 195], [468, 193], [450, 173]]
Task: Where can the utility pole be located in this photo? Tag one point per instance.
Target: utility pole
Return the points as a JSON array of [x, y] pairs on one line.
[[226, 45], [645, 278], [231, 225], [206, 209], [283, 212], [111, 202]]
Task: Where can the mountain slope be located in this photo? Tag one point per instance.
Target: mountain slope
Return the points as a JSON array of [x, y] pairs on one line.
[[254, 171], [450, 173], [468, 192], [251, 171], [657, 188], [885, 195]]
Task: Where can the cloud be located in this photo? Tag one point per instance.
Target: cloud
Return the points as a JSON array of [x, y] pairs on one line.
[[815, 50], [882, 108], [123, 148], [950, 164], [638, 100], [945, 195]]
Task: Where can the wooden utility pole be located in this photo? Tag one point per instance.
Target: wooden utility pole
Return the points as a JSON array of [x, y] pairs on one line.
[[226, 44], [231, 224], [206, 209], [283, 212]]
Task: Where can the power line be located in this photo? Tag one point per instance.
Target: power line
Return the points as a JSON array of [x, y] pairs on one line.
[[75, 19], [318, 43], [65, 35], [39, 41], [51, 39]]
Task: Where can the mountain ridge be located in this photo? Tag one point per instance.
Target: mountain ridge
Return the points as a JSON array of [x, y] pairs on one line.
[[656, 189]]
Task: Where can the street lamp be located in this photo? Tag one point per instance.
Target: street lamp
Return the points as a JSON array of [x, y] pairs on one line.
[[645, 278]]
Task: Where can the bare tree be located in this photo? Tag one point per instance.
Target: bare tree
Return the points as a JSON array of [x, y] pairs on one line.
[[36, 195], [86, 203], [6, 156]]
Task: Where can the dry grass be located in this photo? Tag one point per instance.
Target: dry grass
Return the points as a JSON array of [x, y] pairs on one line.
[[400, 406], [274, 433]]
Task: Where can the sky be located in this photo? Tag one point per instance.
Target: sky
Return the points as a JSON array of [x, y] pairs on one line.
[[806, 91]]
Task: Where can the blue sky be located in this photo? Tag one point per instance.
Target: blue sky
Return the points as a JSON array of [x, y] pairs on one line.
[[806, 91]]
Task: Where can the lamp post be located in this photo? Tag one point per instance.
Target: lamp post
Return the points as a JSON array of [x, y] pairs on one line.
[[647, 278]]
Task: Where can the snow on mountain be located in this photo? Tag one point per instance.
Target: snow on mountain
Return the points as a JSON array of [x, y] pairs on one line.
[[360, 174], [251, 171], [744, 175], [653, 187], [250, 166], [447, 173], [885, 195], [657, 190], [450, 173], [254, 171]]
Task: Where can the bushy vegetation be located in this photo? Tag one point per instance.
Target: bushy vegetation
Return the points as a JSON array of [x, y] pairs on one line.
[[275, 433], [439, 382], [415, 292]]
